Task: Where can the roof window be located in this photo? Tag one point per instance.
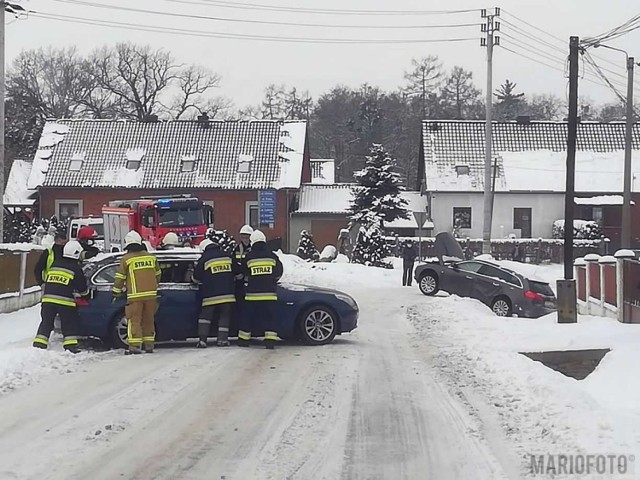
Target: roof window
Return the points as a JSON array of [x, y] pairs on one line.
[[134, 158], [462, 170], [188, 163], [244, 163], [76, 162]]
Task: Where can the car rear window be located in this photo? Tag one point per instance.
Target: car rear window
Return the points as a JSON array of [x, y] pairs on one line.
[[541, 288]]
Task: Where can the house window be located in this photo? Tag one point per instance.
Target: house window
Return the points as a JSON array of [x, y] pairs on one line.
[[244, 163], [68, 209], [462, 170], [252, 214], [133, 164], [188, 163], [462, 217], [76, 162]]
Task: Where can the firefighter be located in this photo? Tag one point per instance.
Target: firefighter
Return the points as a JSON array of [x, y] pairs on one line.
[[63, 279], [262, 269], [215, 274], [87, 238], [139, 273], [239, 253], [49, 256], [170, 241]]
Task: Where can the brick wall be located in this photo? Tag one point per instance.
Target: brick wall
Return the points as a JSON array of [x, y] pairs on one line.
[[230, 205]]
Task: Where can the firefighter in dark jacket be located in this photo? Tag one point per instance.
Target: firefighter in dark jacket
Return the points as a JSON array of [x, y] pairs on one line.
[[49, 256], [87, 238], [239, 253], [409, 255], [262, 270], [63, 279], [215, 272]]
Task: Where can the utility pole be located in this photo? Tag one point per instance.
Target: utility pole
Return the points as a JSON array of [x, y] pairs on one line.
[[628, 145], [2, 95], [567, 301], [490, 27]]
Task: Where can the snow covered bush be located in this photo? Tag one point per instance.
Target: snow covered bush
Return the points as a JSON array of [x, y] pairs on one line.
[[371, 247], [582, 230], [377, 195], [306, 248]]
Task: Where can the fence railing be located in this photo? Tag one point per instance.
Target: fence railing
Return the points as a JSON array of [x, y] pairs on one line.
[[608, 286]]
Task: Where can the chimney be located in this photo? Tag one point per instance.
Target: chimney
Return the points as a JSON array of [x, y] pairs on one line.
[[151, 118], [523, 119], [203, 120]]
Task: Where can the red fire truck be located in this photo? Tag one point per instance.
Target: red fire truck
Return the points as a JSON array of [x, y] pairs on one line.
[[154, 217]]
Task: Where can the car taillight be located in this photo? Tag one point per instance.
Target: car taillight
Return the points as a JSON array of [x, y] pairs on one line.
[[533, 296]]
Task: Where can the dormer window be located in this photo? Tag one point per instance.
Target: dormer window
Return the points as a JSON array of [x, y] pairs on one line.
[[462, 170], [134, 158], [188, 163], [76, 162], [244, 163]]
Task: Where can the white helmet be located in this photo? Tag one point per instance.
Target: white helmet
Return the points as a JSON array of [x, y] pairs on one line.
[[257, 236], [131, 238], [171, 238], [204, 244], [72, 250], [246, 230]]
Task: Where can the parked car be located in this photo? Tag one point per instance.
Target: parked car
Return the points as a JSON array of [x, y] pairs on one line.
[[313, 315], [504, 291]]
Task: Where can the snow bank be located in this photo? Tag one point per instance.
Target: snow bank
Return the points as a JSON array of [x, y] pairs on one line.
[[602, 200], [20, 247]]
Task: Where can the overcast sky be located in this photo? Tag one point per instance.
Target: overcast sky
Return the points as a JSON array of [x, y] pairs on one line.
[[247, 66]]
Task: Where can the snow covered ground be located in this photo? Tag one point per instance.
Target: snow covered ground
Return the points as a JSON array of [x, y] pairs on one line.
[[425, 388]]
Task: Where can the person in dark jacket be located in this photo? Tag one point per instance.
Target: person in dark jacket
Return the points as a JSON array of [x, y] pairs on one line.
[[262, 269], [63, 279], [87, 238], [49, 256], [239, 253], [409, 255], [215, 273]]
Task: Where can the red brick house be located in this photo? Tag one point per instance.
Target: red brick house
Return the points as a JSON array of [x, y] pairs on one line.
[[81, 165]]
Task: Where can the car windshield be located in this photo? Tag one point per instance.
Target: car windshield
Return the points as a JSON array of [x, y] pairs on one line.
[[541, 288], [180, 217], [99, 228]]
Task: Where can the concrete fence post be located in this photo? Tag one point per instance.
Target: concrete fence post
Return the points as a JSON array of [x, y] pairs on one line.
[[23, 275], [620, 256], [608, 261]]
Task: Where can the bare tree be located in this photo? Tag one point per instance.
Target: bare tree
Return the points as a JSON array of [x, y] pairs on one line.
[[424, 76], [193, 83], [459, 94]]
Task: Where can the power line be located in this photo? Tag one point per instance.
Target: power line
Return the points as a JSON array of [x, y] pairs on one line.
[[317, 11], [629, 26], [533, 26], [261, 22], [534, 37], [235, 36]]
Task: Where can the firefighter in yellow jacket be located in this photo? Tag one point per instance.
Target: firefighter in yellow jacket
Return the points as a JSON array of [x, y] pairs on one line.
[[139, 274]]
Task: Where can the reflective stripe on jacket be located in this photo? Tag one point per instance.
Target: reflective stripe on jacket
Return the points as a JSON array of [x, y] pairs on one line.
[[215, 271], [139, 273], [262, 269], [63, 278]]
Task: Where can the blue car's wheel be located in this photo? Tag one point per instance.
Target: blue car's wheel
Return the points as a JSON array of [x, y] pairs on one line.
[[318, 325], [119, 331]]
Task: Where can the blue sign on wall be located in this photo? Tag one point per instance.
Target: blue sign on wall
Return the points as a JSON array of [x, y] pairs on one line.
[[267, 207]]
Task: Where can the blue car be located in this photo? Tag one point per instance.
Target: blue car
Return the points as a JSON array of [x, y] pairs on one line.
[[313, 315]]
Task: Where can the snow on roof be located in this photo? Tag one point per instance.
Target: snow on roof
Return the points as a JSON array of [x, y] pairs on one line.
[[336, 199], [293, 138], [276, 150], [323, 171], [529, 157], [17, 192], [122, 177], [602, 200]]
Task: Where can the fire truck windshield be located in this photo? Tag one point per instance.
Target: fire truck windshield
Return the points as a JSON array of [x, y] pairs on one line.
[[180, 216]]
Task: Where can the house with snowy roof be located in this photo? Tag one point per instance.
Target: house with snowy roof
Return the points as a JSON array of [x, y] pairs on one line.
[[323, 170], [17, 195], [81, 165], [529, 176], [323, 210]]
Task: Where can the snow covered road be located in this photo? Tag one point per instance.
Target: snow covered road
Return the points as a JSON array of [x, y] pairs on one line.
[[368, 406]]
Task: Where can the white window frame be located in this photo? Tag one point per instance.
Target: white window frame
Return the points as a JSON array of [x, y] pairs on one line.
[[190, 161], [60, 202], [247, 211]]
